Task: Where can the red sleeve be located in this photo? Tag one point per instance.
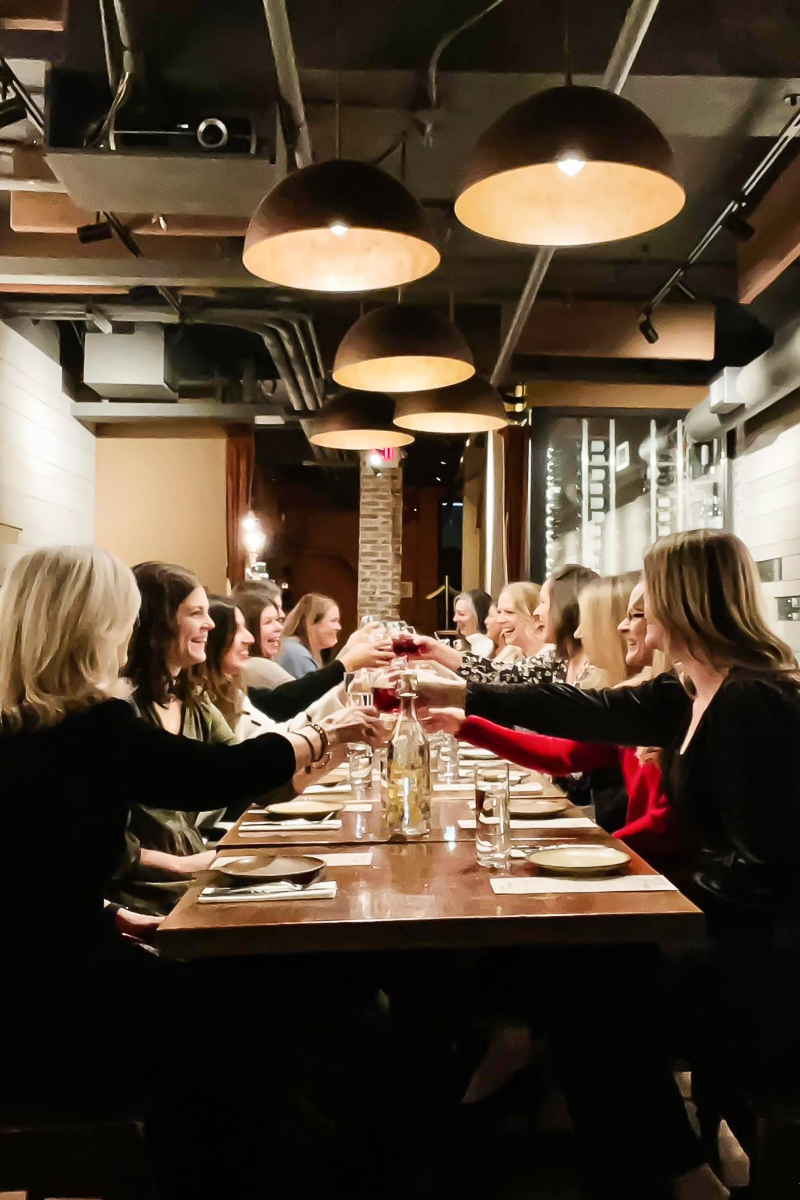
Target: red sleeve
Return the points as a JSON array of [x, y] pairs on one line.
[[652, 825], [554, 756]]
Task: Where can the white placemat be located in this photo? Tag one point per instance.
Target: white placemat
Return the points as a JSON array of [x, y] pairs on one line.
[[538, 885], [290, 826], [365, 807], [362, 858], [546, 823], [318, 789], [325, 889]]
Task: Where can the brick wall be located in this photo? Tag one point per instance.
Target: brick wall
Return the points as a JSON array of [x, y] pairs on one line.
[[380, 541]]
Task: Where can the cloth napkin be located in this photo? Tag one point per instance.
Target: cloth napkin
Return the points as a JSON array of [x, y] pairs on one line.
[[537, 885], [546, 823], [323, 889], [291, 823]]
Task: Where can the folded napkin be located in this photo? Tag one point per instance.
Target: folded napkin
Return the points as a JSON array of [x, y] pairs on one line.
[[538, 885], [318, 789], [545, 823], [324, 889], [289, 824], [365, 807]]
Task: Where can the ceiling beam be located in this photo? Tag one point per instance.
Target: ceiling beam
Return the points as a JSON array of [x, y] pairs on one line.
[[105, 411], [34, 15], [561, 394], [54, 213], [776, 242], [610, 329]]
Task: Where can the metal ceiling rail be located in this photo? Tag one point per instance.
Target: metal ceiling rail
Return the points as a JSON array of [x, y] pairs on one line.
[[637, 22], [288, 78]]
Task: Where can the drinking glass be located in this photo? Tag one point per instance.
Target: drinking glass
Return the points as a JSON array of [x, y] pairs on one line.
[[492, 843], [448, 763], [359, 693], [359, 758]]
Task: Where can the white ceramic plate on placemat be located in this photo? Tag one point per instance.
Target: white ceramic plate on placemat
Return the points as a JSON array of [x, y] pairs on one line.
[[475, 752], [306, 807], [526, 807], [257, 868], [579, 859]]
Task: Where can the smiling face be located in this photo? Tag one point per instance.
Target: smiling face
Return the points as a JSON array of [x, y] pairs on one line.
[[464, 617], [326, 632], [194, 625], [633, 627], [541, 615], [518, 628], [271, 627], [236, 656]]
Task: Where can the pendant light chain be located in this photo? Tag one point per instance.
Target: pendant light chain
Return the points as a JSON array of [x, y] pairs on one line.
[[567, 46], [338, 92]]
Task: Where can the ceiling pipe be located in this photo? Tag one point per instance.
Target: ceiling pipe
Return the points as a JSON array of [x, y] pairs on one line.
[[289, 79], [637, 22]]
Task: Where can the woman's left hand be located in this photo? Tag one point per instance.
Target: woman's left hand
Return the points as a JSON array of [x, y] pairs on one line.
[[444, 720]]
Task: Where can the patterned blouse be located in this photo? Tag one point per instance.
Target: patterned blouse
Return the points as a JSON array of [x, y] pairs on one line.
[[543, 667]]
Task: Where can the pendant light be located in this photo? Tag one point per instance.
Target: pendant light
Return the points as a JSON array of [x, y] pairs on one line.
[[402, 348], [473, 406], [357, 421], [340, 226]]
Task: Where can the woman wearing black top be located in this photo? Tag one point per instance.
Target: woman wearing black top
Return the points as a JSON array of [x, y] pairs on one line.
[[729, 728], [87, 1009]]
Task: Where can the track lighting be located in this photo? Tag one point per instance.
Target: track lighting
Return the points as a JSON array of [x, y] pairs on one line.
[[98, 231], [648, 330], [742, 230], [12, 111], [685, 290]]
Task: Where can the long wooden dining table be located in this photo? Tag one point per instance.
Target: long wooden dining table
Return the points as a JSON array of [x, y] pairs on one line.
[[427, 893]]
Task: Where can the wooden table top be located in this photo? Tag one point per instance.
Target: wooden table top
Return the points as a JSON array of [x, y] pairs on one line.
[[424, 895]]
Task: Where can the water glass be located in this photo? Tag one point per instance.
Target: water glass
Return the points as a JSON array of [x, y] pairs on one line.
[[359, 758], [492, 839], [359, 693], [448, 764]]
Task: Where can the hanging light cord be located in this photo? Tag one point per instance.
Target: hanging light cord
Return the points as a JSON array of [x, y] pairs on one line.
[[441, 46], [567, 47]]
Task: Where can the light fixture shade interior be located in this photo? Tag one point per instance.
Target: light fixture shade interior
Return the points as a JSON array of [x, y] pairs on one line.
[[473, 406], [340, 226], [357, 421], [402, 348], [515, 191]]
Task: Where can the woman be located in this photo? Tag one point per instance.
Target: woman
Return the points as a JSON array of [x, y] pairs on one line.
[[494, 630], [728, 729], [601, 608], [75, 761], [469, 615], [261, 606], [311, 628]]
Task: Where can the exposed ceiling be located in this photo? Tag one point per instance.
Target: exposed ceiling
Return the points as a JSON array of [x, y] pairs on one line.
[[714, 78]]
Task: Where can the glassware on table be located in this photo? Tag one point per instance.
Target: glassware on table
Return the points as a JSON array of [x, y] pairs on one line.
[[492, 840], [403, 641], [359, 760], [449, 767], [359, 693], [384, 687], [406, 791]]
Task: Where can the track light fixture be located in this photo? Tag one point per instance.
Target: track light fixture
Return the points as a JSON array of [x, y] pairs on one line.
[[12, 111], [648, 330], [742, 230], [683, 287], [98, 231]]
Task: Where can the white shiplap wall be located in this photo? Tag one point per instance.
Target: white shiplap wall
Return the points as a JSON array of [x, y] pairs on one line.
[[766, 492], [47, 459]]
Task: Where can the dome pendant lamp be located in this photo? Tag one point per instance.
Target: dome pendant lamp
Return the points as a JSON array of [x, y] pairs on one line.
[[473, 406], [570, 166], [357, 421], [340, 226], [402, 348]]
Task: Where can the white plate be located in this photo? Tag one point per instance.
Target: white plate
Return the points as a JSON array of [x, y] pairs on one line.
[[476, 752], [579, 859], [515, 774], [302, 806], [281, 866], [526, 807]]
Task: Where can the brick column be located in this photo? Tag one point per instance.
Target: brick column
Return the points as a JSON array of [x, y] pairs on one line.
[[380, 540]]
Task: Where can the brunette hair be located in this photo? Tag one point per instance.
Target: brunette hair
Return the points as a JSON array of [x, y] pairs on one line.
[[703, 587], [222, 690], [602, 605], [66, 613], [566, 585], [251, 599], [163, 588], [308, 612], [481, 603]]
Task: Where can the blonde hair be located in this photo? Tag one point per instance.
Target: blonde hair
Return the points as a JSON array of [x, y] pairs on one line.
[[703, 587], [524, 596], [602, 605], [308, 612], [66, 614]]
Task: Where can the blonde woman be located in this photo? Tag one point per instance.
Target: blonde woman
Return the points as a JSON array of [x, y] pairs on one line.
[[90, 1011], [602, 605], [728, 726], [312, 627]]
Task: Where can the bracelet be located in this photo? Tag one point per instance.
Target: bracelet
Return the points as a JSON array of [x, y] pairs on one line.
[[307, 741], [325, 742], [322, 763]]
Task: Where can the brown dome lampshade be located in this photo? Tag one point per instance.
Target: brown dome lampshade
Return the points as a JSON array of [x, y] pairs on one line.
[[473, 406], [357, 421], [570, 166], [402, 348], [340, 226]]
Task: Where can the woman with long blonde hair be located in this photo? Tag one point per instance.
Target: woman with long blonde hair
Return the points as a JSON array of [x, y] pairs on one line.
[[728, 725]]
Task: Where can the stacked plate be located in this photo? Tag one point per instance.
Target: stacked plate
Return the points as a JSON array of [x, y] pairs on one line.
[[306, 807]]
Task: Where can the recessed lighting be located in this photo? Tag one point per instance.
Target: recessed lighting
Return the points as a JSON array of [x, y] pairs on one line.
[[571, 164]]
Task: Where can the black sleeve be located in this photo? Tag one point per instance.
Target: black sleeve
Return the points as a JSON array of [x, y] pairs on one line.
[[648, 715], [153, 767], [288, 699]]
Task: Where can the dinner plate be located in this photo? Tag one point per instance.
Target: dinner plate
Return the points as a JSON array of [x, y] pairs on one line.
[[281, 866], [528, 806], [515, 775], [579, 859], [475, 752], [307, 807]]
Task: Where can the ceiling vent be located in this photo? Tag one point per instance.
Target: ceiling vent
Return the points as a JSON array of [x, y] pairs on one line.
[[128, 366]]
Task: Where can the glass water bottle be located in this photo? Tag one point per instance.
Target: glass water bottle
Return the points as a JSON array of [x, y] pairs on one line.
[[406, 792]]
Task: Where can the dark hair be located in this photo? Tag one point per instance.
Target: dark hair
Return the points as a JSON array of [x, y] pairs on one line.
[[566, 585], [219, 687], [163, 588], [251, 599]]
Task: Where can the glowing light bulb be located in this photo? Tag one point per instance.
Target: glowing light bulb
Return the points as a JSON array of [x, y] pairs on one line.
[[571, 164], [339, 228]]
